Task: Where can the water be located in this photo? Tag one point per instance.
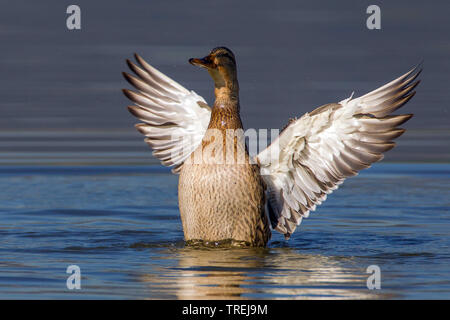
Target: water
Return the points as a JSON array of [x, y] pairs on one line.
[[121, 226]]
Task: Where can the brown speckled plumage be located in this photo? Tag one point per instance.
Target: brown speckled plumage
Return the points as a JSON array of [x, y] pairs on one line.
[[222, 201]]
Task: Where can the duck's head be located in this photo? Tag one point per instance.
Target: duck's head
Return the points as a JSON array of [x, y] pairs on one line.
[[221, 65]]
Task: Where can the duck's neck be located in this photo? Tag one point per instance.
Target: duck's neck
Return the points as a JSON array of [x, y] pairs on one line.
[[225, 112]]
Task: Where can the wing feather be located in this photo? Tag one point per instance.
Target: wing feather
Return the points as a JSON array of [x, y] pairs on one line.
[[314, 154], [174, 119]]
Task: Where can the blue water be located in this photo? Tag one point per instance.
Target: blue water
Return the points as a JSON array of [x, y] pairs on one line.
[[121, 226]]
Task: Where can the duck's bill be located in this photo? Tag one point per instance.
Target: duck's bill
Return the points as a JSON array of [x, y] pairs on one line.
[[203, 62]]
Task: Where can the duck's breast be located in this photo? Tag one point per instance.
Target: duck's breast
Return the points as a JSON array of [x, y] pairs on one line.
[[223, 201]]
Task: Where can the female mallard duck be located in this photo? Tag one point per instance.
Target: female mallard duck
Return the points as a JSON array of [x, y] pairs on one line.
[[226, 200]]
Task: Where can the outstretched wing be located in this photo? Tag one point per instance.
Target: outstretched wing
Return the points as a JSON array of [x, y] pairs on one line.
[[174, 118], [314, 154]]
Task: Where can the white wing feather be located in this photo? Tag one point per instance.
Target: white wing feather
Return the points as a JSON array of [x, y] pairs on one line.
[[314, 154], [174, 118]]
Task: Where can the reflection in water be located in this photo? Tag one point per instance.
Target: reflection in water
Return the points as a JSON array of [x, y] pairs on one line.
[[282, 273]]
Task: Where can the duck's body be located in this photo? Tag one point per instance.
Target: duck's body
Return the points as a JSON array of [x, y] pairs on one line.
[[223, 202], [219, 199], [223, 195]]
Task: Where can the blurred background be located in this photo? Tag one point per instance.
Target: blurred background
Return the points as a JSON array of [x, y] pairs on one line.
[[61, 99]]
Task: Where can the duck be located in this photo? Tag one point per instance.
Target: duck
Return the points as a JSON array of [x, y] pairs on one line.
[[226, 196]]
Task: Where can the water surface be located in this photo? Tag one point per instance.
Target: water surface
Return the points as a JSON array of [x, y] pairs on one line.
[[121, 226]]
